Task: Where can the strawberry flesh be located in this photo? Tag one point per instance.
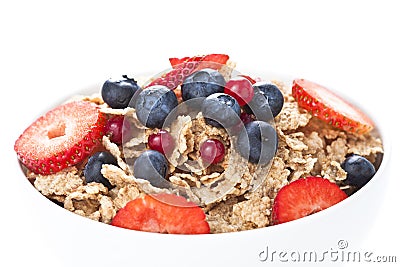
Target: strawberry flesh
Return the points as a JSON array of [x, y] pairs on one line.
[[183, 67], [220, 59], [304, 197], [63, 137], [251, 80], [162, 213], [177, 75], [328, 106]]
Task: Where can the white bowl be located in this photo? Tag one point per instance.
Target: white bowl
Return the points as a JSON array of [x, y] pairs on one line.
[[78, 241]]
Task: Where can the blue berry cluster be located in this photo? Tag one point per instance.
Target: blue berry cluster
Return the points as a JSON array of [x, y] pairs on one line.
[[257, 141]]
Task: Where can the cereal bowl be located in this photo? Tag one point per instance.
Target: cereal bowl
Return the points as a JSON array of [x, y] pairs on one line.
[[82, 241]]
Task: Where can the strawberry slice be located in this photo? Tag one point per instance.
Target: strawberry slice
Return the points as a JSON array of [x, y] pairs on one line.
[[177, 75], [328, 106], [251, 80], [220, 59], [304, 197], [177, 61], [183, 67], [162, 213], [61, 138]]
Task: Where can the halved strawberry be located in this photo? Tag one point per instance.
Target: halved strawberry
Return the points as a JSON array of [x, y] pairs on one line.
[[61, 138], [162, 213], [304, 197], [328, 106], [183, 67]]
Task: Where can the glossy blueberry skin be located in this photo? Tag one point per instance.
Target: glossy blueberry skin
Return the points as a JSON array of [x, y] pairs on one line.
[[202, 83], [152, 166], [118, 93], [273, 96], [258, 142], [92, 171], [221, 110], [359, 170], [154, 104]]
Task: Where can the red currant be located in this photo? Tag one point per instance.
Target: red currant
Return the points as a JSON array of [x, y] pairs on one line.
[[162, 142], [116, 128], [241, 89], [244, 119], [212, 151]]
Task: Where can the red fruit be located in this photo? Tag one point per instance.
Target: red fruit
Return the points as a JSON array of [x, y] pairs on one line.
[[241, 89], [220, 59], [182, 68], [244, 119], [248, 78], [176, 76], [162, 141], [162, 213], [117, 129], [304, 197], [328, 106], [61, 138], [212, 151], [177, 61], [213, 61]]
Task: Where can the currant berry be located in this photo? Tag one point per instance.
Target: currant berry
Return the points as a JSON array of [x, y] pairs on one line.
[[162, 141], [212, 151], [244, 119], [241, 89], [116, 129]]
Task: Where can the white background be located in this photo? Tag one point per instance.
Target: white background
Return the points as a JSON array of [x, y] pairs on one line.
[[48, 47]]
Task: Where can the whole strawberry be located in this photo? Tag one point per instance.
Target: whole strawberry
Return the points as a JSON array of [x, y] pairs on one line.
[[63, 137]]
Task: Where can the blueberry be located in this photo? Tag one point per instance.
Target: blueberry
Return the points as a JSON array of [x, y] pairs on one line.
[[359, 170], [202, 83], [271, 93], [154, 104], [118, 93], [221, 110], [152, 166], [92, 171], [257, 142]]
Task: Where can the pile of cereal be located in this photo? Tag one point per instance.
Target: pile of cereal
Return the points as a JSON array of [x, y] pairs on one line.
[[200, 149]]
